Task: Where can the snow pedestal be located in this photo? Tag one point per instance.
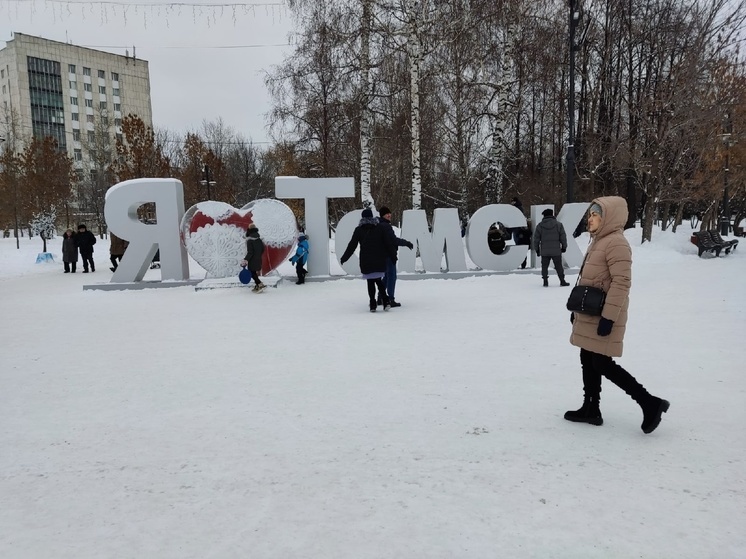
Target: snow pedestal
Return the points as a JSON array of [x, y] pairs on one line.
[[44, 257]]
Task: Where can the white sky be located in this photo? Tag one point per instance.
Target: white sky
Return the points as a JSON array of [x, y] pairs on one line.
[[196, 72]]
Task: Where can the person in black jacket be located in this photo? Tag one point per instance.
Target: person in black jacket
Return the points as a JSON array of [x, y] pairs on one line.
[[390, 278], [376, 246], [253, 258], [550, 241], [85, 240], [69, 251]]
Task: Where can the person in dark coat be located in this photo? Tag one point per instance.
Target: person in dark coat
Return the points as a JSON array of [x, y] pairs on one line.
[[495, 239], [521, 235], [69, 251], [550, 241], [116, 250], [376, 246], [253, 258], [85, 240], [390, 278]]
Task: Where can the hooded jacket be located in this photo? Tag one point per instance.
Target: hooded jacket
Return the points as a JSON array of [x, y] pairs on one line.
[[254, 250], [69, 248], [301, 251], [550, 238], [608, 265], [375, 246]]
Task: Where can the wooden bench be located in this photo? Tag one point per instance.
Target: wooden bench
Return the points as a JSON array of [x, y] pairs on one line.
[[711, 241], [717, 239]]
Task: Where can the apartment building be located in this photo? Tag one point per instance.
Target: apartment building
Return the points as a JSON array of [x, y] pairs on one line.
[[70, 93]]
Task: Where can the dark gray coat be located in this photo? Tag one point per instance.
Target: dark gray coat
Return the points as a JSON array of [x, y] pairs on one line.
[[549, 237], [69, 249], [254, 250]]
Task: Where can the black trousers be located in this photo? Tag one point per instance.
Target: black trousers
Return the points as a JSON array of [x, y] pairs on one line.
[[114, 259], [255, 277], [557, 261], [595, 366], [301, 271], [372, 285], [88, 261], [70, 265]]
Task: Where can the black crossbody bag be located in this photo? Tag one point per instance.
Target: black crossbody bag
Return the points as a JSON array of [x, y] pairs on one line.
[[586, 299]]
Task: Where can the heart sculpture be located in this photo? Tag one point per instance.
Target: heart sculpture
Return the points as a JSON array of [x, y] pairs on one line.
[[214, 234]]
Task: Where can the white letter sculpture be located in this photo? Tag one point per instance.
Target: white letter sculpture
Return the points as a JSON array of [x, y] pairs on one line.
[[569, 216], [120, 212], [316, 193], [345, 229], [445, 237], [476, 237]]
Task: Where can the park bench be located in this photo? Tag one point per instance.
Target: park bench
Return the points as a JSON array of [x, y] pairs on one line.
[[706, 242], [727, 245]]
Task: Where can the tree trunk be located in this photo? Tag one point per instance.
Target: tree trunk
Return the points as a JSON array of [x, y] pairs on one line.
[[365, 194], [415, 61]]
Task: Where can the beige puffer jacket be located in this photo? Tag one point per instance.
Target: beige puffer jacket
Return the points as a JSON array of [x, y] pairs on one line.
[[608, 265]]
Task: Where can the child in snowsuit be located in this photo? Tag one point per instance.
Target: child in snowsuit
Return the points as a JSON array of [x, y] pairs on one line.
[[300, 258]]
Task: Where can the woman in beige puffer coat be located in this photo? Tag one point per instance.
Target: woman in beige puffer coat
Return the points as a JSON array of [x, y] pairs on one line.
[[608, 265]]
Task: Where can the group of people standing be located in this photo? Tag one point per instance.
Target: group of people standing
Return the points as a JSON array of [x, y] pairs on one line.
[[81, 243], [379, 247]]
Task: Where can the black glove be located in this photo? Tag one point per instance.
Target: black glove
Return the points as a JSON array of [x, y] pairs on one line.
[[572, 317], [564, 249], [409, 245], [604, 326]]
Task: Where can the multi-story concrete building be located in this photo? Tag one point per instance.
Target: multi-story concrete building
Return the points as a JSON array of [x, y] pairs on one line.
[[71, 93]]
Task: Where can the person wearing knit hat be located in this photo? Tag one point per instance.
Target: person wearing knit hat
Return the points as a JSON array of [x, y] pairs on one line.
[[390, 279], [375, 247], [550, 241], [608, 265]]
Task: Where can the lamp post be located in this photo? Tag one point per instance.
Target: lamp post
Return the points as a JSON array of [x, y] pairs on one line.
[[570, 159], [725, 218], [206, 181]]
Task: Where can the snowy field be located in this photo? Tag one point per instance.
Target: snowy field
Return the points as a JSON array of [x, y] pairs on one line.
[[169, 423]]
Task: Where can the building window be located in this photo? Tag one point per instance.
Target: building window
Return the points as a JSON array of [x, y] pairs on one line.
[[119, 138], [75, 116], [118, 107], [73, 100], [101, 74], [114, 76], [91, 136], [87, 87], [71, 68], [105, 120], [102, 89], [93, 173], [86, 71], [89, 118], [76, 135], [117, 122], [102, 105], [78, 155], [89, 102], [116, 91], [73, 84], [2, 74], [3, 90]]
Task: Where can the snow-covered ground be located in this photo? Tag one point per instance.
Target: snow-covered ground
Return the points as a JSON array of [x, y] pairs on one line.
[[169, 423]]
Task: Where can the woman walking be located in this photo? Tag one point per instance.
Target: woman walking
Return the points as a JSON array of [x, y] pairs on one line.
[[375, 248], [253, 258], [608, 265]]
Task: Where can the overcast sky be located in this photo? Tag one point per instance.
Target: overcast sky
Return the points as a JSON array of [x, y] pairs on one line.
[[203, 60]]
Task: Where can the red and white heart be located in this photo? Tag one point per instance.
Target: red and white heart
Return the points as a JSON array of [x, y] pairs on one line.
[[214, 234]]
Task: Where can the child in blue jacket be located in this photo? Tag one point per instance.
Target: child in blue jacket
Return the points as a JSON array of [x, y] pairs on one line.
[[300, 258]]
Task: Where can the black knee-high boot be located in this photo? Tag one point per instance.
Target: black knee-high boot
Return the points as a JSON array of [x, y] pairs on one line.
[[652, 406], [590, 411]]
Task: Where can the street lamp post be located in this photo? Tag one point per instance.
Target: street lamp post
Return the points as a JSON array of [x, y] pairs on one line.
[[570, 160], [725, 218], [207, 182]]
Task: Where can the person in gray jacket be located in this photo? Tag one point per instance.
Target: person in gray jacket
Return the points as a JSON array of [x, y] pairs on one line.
[[550, 241]]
